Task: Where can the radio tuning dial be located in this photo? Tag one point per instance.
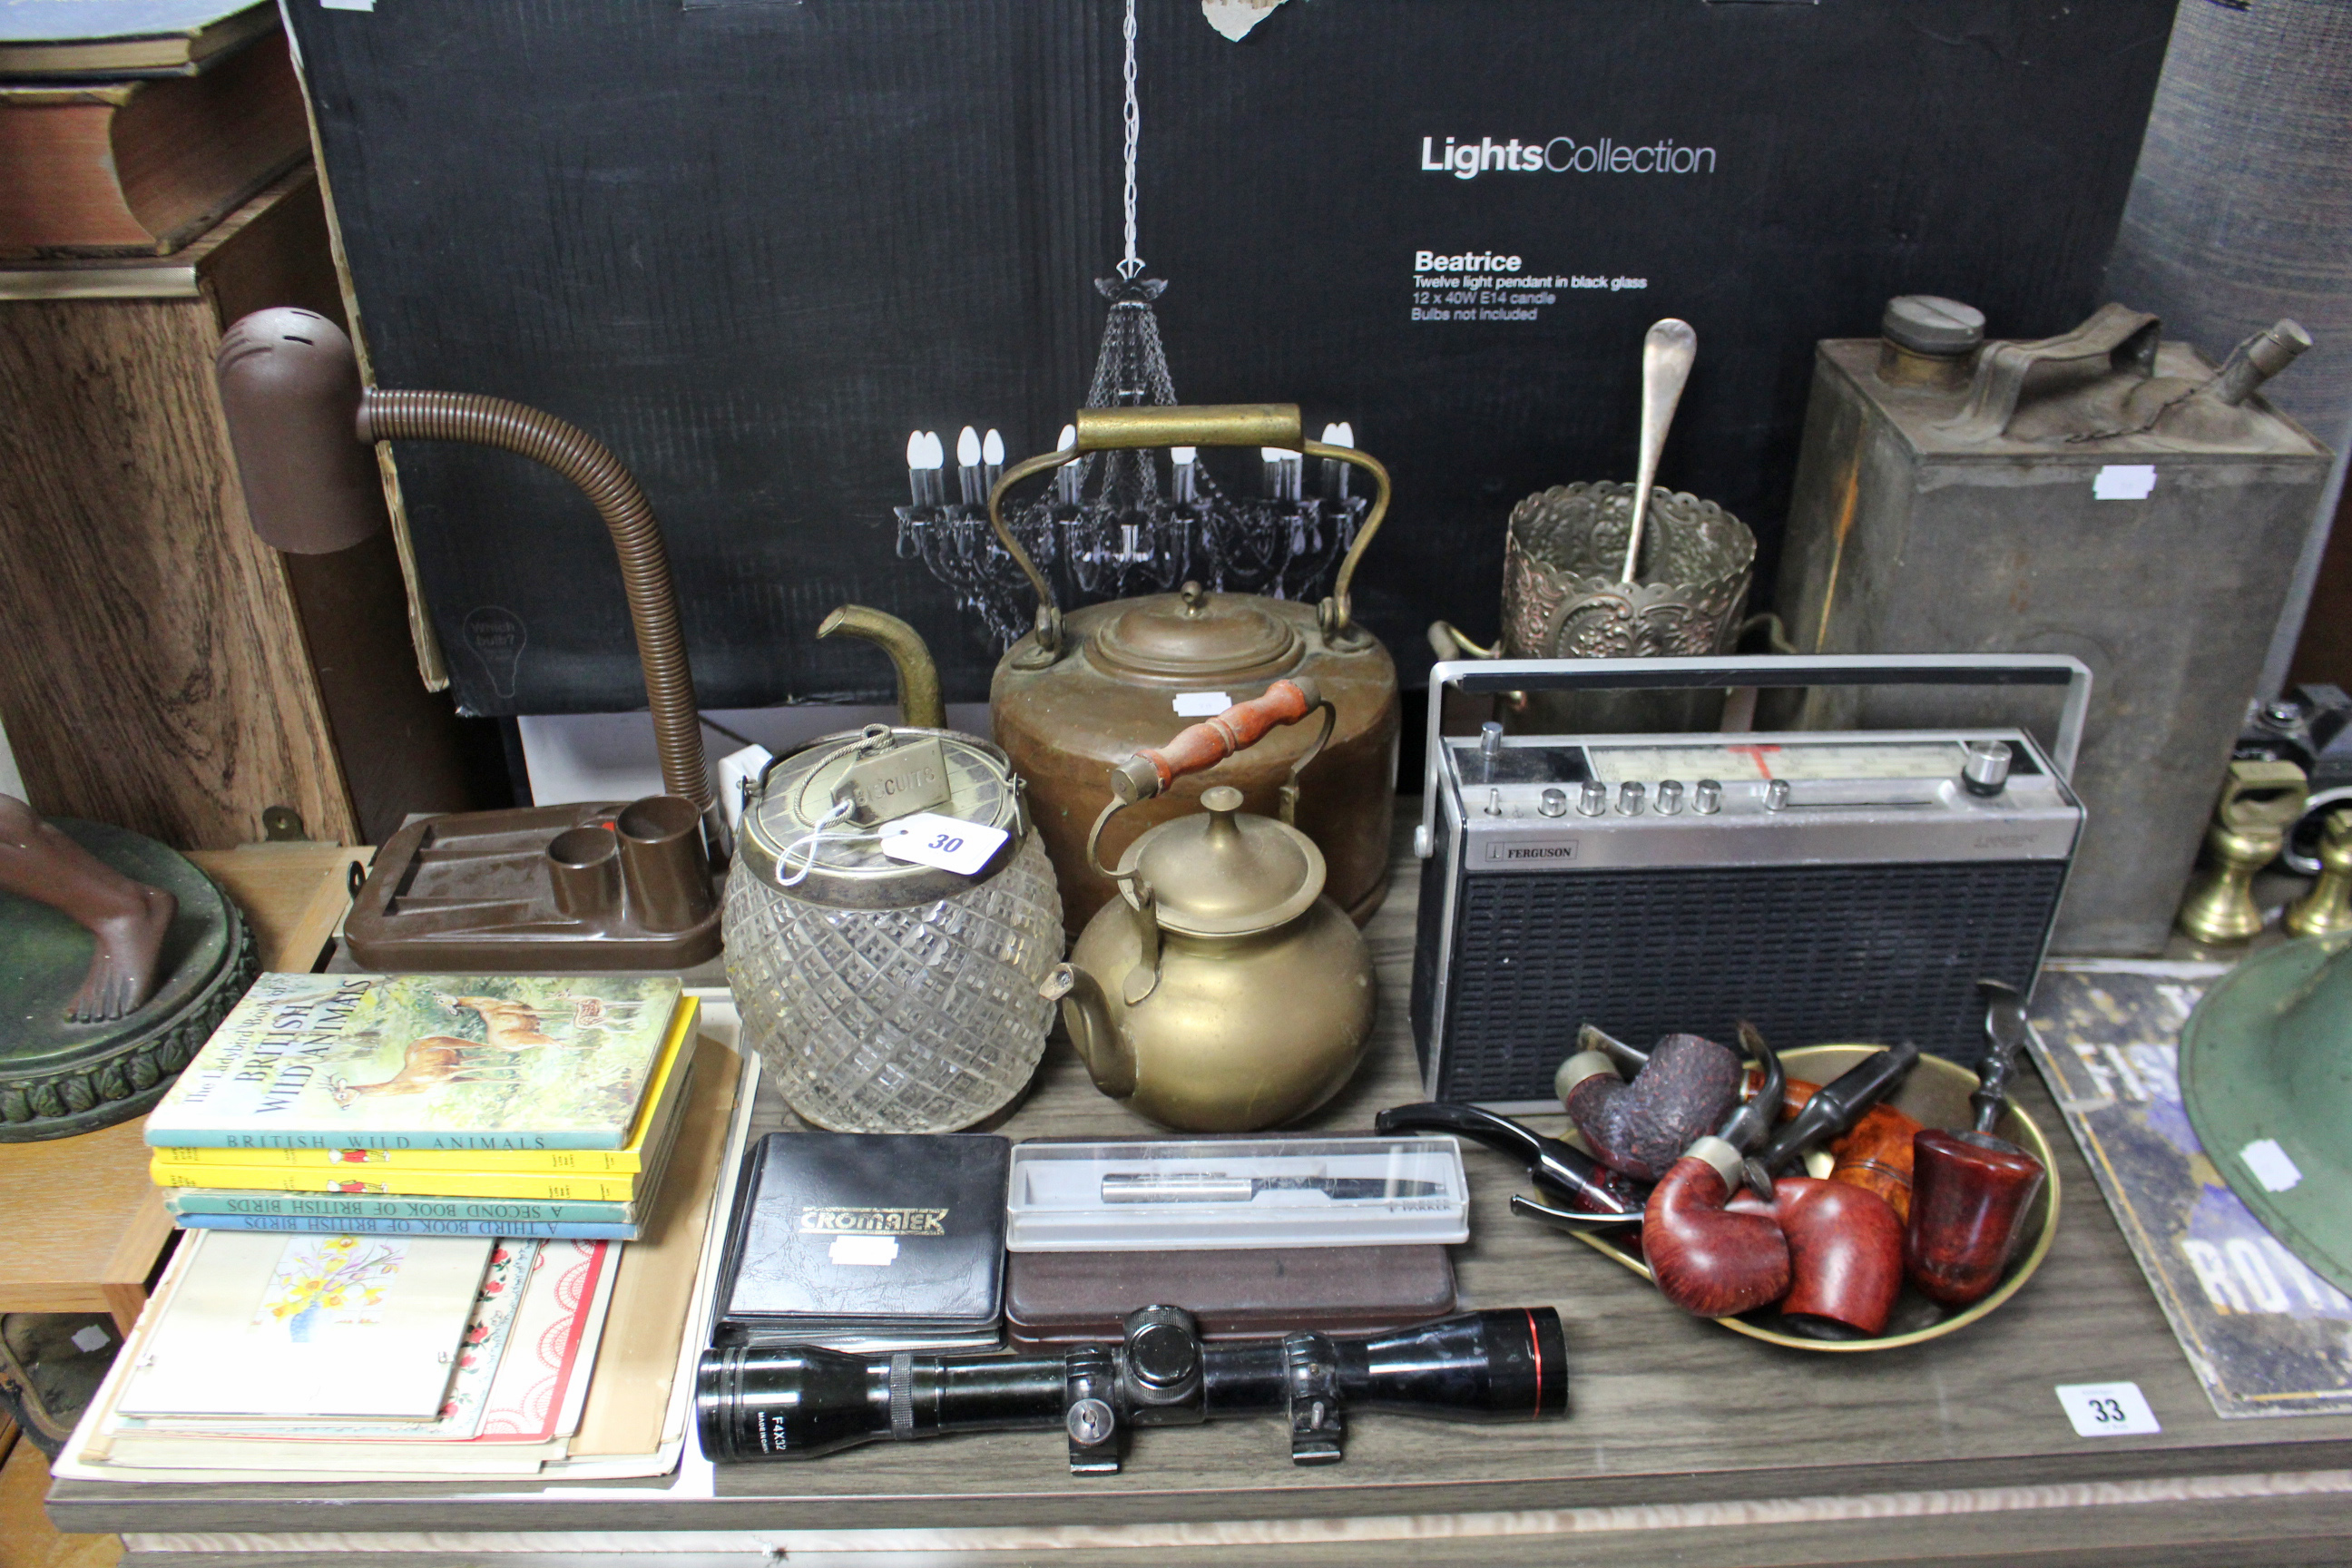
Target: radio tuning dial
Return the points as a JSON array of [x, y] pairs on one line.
[[1985, 771], [1593, 799], [1670, 796], [1629, 798], [1706, 797], [1776, 795], [1554, 802]]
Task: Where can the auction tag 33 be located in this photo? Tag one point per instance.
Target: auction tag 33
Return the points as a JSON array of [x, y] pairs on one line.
[[951, 844], [2106, 1409]]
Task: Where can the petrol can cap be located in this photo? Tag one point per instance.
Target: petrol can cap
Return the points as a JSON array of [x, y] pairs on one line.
[[1931, 324]]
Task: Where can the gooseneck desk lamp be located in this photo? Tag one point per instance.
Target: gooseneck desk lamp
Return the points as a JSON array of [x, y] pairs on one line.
[[607, 885]]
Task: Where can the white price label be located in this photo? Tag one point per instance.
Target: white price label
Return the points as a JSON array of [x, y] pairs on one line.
[[2124, 481], [2273, 1166], [951, 844], [2107, 1409], [864, 1251], [1202, 704]]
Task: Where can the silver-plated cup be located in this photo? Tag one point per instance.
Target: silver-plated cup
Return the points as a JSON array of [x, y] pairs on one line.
[[1562, 598]]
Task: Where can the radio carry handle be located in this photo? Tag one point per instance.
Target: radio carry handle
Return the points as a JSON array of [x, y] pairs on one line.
[[1487, 676]]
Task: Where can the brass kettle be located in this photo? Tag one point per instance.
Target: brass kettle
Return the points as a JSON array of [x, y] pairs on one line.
[[1221, 991]]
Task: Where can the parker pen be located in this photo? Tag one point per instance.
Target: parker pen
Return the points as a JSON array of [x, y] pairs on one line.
[[1215, 1187]]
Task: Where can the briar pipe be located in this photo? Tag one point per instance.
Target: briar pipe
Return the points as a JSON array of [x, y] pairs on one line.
[[1845, 1255], [1685, 1088], [1561, 1169], [1972, 1190], [1706, 1258], [301, 426], [1628, 1058], [1876, 1155], [1830, 1112]]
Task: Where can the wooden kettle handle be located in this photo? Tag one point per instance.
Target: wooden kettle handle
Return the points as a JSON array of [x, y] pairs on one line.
[[1205, 744]]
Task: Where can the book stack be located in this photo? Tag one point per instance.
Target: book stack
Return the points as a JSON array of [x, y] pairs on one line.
[[300, 1356], [425, 1105]]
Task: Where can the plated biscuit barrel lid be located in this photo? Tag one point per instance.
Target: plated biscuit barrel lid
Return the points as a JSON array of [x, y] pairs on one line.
[[816, 822]]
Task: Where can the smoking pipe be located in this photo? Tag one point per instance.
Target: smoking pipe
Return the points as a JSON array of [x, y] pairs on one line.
[[1708, 1259], [1830, 1111], [1876, 1155], [1628, 1058], [1972, 1190], [1601, 1196], [1686, 1086], [1845, 1253]]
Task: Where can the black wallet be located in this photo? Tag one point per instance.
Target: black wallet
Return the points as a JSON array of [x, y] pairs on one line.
[[860, 1237]]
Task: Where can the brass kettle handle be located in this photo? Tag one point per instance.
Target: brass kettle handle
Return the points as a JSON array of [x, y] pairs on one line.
[[2125, 338], [1151, 769], [1193, 425]]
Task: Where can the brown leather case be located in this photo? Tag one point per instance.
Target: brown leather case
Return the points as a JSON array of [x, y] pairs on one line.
[[1074, 1297]]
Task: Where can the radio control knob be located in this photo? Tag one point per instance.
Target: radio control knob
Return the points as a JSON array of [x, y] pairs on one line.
[[1494, 803], [1986, 770], [1706, 797], [1554, 802], [1670, 796], [1593, 799], [1629, 798], [1776, 795]]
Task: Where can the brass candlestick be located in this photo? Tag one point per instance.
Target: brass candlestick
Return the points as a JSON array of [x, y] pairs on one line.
[[2260, 801], [2328, 906]]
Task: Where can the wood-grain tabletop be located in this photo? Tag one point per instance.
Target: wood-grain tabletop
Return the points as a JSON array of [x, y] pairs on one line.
[[1685, 1443]]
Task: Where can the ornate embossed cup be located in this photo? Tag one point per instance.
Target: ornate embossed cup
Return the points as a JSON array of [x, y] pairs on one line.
[[1562, 598]]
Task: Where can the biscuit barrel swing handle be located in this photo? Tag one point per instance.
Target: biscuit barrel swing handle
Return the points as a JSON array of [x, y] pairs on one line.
[[1189, 424]]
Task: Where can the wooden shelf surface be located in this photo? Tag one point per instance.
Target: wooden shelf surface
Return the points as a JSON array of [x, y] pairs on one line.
[[1685, 1444]]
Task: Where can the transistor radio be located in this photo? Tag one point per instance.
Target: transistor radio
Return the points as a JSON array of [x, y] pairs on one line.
[[1825, 887]]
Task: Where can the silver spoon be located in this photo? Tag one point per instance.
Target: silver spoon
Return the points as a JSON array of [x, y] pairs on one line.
[[1667, 349]]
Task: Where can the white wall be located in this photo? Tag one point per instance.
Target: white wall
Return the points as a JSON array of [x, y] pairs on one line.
[[11, 781]]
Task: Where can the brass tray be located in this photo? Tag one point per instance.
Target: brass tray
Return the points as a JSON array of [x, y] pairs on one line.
[[1936, 1094]]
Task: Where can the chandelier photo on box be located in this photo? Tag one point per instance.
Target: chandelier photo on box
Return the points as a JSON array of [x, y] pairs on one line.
[[1108, 526]]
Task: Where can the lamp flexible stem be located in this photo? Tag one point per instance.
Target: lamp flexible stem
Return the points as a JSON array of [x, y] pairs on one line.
[[637, 541]]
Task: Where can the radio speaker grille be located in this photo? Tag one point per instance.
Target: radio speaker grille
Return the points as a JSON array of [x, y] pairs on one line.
[[1809, 954]]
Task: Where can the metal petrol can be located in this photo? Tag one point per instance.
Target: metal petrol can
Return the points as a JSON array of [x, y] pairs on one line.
[[1082, 692], [2102, 493]]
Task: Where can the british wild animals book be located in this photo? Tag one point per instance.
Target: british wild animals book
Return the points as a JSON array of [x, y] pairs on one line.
[[362, 1169], [428, 1062]]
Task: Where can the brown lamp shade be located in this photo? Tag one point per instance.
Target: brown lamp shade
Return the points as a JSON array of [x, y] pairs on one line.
[[291, 386]]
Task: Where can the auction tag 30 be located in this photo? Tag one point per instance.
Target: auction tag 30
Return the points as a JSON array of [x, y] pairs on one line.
[[2106, 1409], [951, 844]]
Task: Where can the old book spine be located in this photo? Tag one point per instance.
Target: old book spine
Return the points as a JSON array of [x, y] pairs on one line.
[[306, 1224], [618, 1189], [529, 1162], [189, 1201]]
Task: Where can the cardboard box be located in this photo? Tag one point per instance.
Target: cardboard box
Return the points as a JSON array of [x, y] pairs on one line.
[[753, 245]]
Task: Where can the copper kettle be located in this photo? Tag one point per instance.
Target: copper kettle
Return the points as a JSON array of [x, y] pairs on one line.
[[1080, 693], [1221, 992]]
